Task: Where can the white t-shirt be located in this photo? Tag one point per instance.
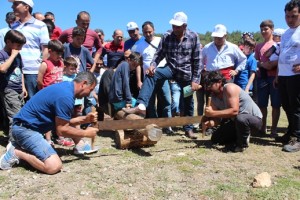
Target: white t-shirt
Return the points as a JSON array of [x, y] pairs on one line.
[[147, 51], [289, 52]]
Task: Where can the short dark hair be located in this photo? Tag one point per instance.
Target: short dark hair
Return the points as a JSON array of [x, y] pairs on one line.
[[291, 5], [77, 31], [214, 77], [50, 25], [15, 37], [148, 23], [70, 61], [86, 76], [56, 45], [136, 57], [10, 16], [49, 14], [249, 42], [269, 23]]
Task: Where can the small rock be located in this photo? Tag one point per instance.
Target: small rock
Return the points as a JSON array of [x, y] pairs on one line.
[[34, 177], [181, 154], [262, 180]]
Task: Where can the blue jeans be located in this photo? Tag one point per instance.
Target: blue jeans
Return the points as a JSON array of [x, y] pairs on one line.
[[31, 84], [175, 93], [33, 142], [165, 73], [163, 95]]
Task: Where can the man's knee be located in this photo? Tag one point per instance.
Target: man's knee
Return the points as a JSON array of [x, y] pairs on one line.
[[53, 164]]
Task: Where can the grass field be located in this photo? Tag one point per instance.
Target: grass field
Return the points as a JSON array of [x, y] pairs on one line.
[[175, 168]]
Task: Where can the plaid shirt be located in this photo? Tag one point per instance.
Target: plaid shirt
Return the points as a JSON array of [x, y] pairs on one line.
[[183, 57]]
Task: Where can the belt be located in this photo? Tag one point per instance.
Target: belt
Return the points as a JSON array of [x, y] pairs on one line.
[[20, 124]]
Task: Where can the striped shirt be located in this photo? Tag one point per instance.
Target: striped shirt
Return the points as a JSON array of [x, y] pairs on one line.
[[36, 34], [183, 57]]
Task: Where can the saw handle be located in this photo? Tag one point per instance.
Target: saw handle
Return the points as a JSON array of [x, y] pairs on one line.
[[208, 103]]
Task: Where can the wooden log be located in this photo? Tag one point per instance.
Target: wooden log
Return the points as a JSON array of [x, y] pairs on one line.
[[127, 139], [136, 138]]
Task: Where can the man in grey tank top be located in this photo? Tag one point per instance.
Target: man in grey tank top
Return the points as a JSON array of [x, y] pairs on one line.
[[234, 110]]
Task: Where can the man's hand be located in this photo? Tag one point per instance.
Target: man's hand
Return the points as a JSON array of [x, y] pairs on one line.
[[209, 111], [209, 123], [150, 71], [296, 68], [195, 86], [92, 117], [91, 132]]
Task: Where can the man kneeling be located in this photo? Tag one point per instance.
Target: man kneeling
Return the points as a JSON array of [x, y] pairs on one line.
[[50, 109], [234, 110]]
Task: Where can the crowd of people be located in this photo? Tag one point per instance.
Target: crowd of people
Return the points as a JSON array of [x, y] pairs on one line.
[[62, 74]]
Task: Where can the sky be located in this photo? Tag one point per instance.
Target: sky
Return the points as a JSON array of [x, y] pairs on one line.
[[203, 15]]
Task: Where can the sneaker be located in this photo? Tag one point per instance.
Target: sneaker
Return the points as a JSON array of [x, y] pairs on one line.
[[67, 142], [8, 159], [293, 146], [239, 149], [168, 131], [84, 149]]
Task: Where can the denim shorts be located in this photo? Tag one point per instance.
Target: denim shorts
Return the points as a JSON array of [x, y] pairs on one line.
[[32, 142], [264, 90]]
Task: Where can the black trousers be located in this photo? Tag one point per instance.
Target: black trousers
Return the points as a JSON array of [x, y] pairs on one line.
[[289, 88], [236, 131]]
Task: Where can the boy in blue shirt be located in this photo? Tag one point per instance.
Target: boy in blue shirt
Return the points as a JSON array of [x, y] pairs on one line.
[[245, 78]]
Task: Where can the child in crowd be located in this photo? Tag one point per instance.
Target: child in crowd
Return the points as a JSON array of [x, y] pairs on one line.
[[70, 72], [51, 70], [82, 54], [267, 72], [245, 78], [12, 88], [120, 94]]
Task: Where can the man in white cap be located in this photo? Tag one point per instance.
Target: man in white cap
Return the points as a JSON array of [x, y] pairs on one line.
[[221, 55], [133, 32], [37, 38], [181, 49]]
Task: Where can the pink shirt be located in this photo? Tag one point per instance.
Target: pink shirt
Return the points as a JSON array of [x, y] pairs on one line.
[[91, 39], [260, 49]]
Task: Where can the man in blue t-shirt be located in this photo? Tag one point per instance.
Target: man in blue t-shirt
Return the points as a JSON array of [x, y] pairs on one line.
[[50, 109]]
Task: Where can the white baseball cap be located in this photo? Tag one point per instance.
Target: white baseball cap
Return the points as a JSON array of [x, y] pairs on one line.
[[132, 26], [219, 31], [179, 19], [278, 32], [28, 2]]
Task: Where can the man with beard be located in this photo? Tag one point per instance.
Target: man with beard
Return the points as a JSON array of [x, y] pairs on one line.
[[233, 109]]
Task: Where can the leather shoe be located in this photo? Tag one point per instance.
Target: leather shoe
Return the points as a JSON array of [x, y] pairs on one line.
[[135, 110], [190, 134]]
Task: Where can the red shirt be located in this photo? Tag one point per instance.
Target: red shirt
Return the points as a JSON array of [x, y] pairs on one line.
[[54, 72], [110, 46], [56, 33], [91, 39]]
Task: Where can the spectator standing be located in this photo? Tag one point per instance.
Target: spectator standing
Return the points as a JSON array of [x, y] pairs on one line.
[[265, 77], [289, 75], [181, 49], [12, 88], [91, 38], [37, 38], [147, 47], [133, 32], [57, 30], [114, 50], [10, 18]]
